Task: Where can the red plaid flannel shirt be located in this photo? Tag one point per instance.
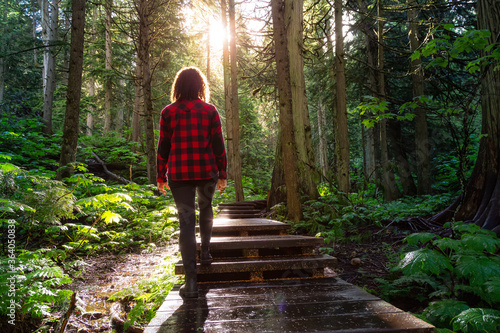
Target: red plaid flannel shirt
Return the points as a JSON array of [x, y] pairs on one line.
[[191, 145]]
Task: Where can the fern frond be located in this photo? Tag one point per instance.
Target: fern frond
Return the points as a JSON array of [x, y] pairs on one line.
[[424, 260], [478, 269], [441, 313], [477, 320]]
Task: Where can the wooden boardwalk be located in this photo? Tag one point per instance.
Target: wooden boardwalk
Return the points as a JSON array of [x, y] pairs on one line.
[[264, 280]]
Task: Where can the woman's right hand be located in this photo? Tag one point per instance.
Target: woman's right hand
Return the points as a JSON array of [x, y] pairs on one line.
[[221, 185], [161, 186]]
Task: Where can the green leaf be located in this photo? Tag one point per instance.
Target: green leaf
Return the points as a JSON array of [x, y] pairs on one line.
[[477, 320], [416, 55], [478, 269], [449, 26], [481, 243], [109, 217], [424, 260], [448, 244], [421, 237], [441, 313], [7, 167], [492, 288]]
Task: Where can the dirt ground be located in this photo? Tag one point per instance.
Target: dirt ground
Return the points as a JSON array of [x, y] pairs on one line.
[[106, 274]]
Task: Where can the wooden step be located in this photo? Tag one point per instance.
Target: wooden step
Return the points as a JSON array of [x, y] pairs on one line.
[[258, 242], [268, 245], [311, 305], [247, 227], [239, 215], [260, 269], [257, 204], [233, 208]]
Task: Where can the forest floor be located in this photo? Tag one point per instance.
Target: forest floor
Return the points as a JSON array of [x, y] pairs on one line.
[[106, 274], [359, 263]]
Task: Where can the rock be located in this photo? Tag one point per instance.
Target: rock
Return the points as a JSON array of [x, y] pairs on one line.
[[356, 262]]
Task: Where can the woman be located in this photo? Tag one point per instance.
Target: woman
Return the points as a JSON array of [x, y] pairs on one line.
[[191, 155]]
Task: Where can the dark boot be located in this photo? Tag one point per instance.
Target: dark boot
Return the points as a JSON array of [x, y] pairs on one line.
[[190, 288], [206, 257]]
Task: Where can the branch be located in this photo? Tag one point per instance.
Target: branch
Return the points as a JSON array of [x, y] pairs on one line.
[[109, 173]]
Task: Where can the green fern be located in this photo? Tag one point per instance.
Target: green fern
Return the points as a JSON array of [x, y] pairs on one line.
[[425, 260], [477, 269], [477, 320], [441, 313], [492, 290]]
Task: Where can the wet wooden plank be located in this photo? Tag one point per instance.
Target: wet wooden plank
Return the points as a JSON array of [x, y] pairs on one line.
[[325, 305], [259, 242], [263, 264]]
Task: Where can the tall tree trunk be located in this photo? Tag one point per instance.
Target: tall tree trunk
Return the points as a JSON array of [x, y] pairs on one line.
[[227, 90], [294, 22], [108, 84], [120, 113], [277, 193], [34, 25], [50, 21], [65, 59], [398, 147], [144, 43], [136, 118], [91, 82], [71, 130], [370, 136], [286, 115], [341, 133], [372, 151], [424, 179], [92, 110], [480, 202], [323, 146], [3, 14], [238, 182], [391, 191]]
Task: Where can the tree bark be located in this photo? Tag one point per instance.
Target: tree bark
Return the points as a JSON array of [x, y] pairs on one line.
[[294, 22], [391, 191], [238, 182], [120, 113], [91, 84], [92, 110], [136, 118], [108, 84], [403, 165], [71, 130], [286, 115], [341, 133], [480, 201], [323, 145], [424, 179], [50, 21], [144, 43], [227, 90]]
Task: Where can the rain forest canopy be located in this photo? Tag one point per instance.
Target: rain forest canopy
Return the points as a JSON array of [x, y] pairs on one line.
[[360, 121]]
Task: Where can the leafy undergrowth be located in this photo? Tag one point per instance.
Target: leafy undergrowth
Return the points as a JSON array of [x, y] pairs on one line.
[[52, 234], [447, 275]]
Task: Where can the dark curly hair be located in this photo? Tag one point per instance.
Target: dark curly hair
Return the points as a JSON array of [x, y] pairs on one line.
[[190, 84]]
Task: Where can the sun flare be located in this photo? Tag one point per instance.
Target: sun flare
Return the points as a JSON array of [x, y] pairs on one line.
[[216, 34]]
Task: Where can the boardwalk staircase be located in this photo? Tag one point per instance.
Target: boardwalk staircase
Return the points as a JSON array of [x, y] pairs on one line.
[[264, 279], [252, 249]]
